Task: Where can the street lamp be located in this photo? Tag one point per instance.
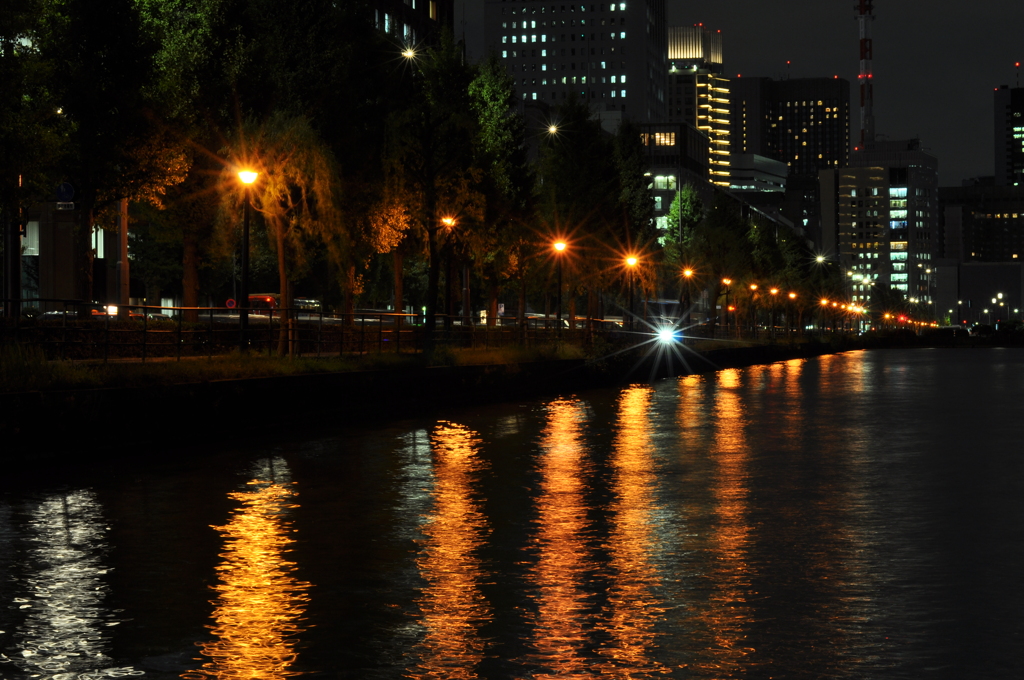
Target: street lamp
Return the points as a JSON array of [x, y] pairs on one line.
[[559, 249], [631, 262], [727, 282], [247, 177]]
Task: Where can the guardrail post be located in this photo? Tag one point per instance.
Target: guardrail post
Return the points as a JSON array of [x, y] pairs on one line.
[[106, 338]]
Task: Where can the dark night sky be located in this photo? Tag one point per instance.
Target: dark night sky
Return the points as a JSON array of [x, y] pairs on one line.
[[936, 61]]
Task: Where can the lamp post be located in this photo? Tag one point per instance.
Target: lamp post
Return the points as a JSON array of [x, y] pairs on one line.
[[771, 316], [631, 263], [687, 277], [792, 299], [449, 298], [247, 178], [559, 250], [727, 283], [753, 310]]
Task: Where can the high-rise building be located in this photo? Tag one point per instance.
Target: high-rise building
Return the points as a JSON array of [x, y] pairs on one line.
[[802, 122], [698, 94], [611, 55], [886, 226], [412, 21], [982, 222], [1009, 136]]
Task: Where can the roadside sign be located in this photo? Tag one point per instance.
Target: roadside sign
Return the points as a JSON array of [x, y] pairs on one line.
[[230, 304], [65, 206], [65, 192]]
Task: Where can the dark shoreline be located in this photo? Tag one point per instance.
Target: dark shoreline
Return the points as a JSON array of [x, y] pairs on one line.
[[39, 427]]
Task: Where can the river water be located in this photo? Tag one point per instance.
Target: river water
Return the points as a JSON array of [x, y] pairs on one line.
[[852, 516]]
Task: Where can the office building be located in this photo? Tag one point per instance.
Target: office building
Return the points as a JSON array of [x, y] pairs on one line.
[[677, 154], [801, 122], [886, 219], [982, 222], [698, 94], [611, 55], [1009, 136], [412, 22]]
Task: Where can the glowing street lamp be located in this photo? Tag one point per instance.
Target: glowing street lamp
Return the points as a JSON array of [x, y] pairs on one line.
[[247, 177]]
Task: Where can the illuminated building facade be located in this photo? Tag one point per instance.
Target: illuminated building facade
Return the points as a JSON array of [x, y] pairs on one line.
[[677, 154], [698, 94], [412, 22], [887, 219], [802, 122], [1009, 136], [610, 55]]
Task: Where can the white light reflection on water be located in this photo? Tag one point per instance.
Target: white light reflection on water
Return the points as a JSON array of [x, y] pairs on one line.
[[259, 608], [65, 634]]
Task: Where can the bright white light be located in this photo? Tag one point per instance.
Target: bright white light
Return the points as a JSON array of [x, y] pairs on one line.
[[667, 335]]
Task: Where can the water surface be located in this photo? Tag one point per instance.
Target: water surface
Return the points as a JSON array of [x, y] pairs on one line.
[[851, 516]]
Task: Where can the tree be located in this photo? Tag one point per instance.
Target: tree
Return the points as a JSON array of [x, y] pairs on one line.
[[31, 131], [102, 62], [720, 247], [296, 195], [431, 154], [578, 199], [685, 213], [500, 150]]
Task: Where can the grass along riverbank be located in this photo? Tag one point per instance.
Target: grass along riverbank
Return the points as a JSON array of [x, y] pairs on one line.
[[25, 369]]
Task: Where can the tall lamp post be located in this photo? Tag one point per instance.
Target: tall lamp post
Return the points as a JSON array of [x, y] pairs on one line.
[[686, 303], [559, 250], [727, 282], [752, 314], [247, 177], [631, 263]]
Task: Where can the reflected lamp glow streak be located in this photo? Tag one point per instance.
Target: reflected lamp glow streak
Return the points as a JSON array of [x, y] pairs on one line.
[[259, 604]]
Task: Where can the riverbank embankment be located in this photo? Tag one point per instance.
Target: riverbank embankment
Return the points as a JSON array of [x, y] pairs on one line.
[[43, 424]]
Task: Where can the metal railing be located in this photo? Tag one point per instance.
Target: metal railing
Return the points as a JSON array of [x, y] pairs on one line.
[[144, 333]]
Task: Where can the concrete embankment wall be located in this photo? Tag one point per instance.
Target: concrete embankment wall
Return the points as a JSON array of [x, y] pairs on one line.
[[44, 424]]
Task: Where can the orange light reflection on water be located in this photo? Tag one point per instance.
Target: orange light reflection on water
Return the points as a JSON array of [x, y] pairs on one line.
[[727, 617], [452, 607], [259, 606], [633, 608], [559, 574]]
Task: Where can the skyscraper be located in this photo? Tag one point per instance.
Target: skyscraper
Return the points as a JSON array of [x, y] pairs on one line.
[[1009, 136], [697, 92], [887, 230], [802, 122], [611, 55]]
